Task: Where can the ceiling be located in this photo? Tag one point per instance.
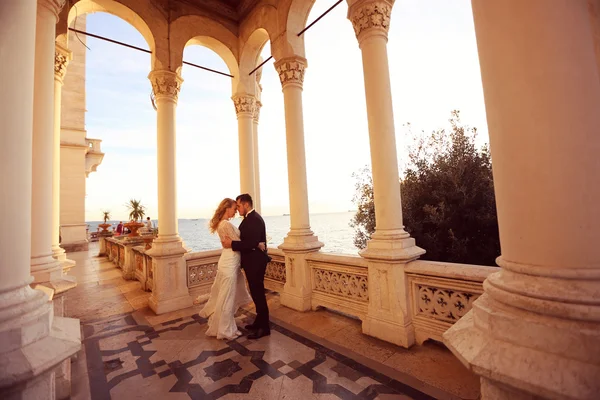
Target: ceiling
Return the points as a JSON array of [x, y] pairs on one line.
[[235, 10]]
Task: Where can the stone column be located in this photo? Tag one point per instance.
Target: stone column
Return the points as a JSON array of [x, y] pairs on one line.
[[390, 247], [170, 270], [44, 267], [31, 344], [62, 56], [534, 333], [257, 204], [300, 240], [245, 106]]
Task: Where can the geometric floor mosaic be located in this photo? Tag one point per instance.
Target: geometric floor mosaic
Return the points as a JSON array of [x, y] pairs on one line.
[[175, 360]]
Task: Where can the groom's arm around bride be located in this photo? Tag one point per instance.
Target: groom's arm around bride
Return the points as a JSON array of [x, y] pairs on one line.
[[253, 260]]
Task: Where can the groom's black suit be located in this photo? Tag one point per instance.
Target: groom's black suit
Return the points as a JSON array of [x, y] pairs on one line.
[[254, 263]]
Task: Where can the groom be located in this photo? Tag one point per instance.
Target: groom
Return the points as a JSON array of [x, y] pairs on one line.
[[254, 262]]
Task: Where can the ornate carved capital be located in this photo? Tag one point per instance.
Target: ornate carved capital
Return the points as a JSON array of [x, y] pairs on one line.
[[256, 114], [62, 56], [373, 15], [291, 70], [165, 84], [55, 6], [244, 103]]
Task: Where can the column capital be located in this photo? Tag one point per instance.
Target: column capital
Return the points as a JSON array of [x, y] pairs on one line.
[[291, 70], [244, 104], [62, 56], [165, 84], [370, 17], [256, 114], [55, 6]]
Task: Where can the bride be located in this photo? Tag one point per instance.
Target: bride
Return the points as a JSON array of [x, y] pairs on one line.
[[228, 292]]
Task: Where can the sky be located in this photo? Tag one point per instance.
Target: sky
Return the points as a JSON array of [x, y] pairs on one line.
[[434, 69]]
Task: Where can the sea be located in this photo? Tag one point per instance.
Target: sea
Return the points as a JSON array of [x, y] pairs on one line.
[[332, 229]]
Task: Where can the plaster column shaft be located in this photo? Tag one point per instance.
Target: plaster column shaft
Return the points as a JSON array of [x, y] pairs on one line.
[[25, 314], [372, 38], [43, 266], [17, 39], [257, 202], [391, 247], [245, 106], [170, 269], [300, 240], [167, 185], [62, 56], [291, 74], [536, 329]]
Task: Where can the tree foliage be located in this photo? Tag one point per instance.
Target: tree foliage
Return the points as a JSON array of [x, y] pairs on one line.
[[448, 201]]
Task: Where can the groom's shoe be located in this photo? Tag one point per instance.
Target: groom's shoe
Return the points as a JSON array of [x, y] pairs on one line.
[[259, 333], [251, 327]]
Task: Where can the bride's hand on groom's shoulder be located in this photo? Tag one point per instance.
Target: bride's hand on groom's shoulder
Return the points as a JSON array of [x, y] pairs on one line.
[[226, 242], [262, 246]]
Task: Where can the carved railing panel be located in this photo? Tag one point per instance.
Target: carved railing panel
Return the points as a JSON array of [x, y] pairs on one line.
[[443, 304], [149, 266], [345, 284], [276, 271], [121, 255], [441, 293], [201, 274], [139, 262]]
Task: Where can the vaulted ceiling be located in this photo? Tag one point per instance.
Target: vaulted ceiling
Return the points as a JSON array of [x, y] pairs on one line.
[[235, 10]]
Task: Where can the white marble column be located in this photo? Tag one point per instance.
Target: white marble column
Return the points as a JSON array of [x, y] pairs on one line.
[[44, 267], [300, 240], [30, 344], [256, 197], [245, 106], [390, 247], [62, 56], [535, 331], [170, 270]]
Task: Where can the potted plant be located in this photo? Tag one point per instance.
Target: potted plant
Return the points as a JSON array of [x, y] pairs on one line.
[[105, 225], [136, 213]]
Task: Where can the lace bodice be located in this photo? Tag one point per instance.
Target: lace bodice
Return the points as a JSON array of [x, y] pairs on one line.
[[227, 229]]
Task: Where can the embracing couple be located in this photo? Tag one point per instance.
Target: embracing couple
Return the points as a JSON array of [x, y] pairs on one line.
[[242, 248]]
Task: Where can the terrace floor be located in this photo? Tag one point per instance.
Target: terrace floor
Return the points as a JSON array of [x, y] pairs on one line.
[[128, 352]]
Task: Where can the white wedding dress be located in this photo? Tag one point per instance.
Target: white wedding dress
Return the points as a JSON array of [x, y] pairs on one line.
[[228, 292]]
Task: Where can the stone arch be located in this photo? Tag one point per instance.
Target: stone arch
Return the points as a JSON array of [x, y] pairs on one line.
[[261, 25], [148, 22], [249, 59], [198, 30], [294, 14]]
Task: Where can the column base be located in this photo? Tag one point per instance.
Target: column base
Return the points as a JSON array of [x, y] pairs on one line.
[[33, 344], [526, 355], [297, 290], [388, 314], [392, 248], [45, 269], [170, 291], [60, 255], [299, 241]]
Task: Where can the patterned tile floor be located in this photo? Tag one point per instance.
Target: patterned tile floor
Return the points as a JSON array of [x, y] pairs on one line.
[[131, 353], [176, 360]]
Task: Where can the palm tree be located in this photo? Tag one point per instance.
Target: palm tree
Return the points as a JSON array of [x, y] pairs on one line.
[[106, 215], [136, 210]]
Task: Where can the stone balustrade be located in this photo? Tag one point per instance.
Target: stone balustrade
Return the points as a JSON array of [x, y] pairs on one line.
[[440, 293], [339, 282]]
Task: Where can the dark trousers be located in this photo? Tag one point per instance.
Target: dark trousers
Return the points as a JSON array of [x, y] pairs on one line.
[[256, 283]]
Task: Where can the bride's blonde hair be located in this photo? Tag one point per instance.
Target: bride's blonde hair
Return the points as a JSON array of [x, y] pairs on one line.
[[219, 212]]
